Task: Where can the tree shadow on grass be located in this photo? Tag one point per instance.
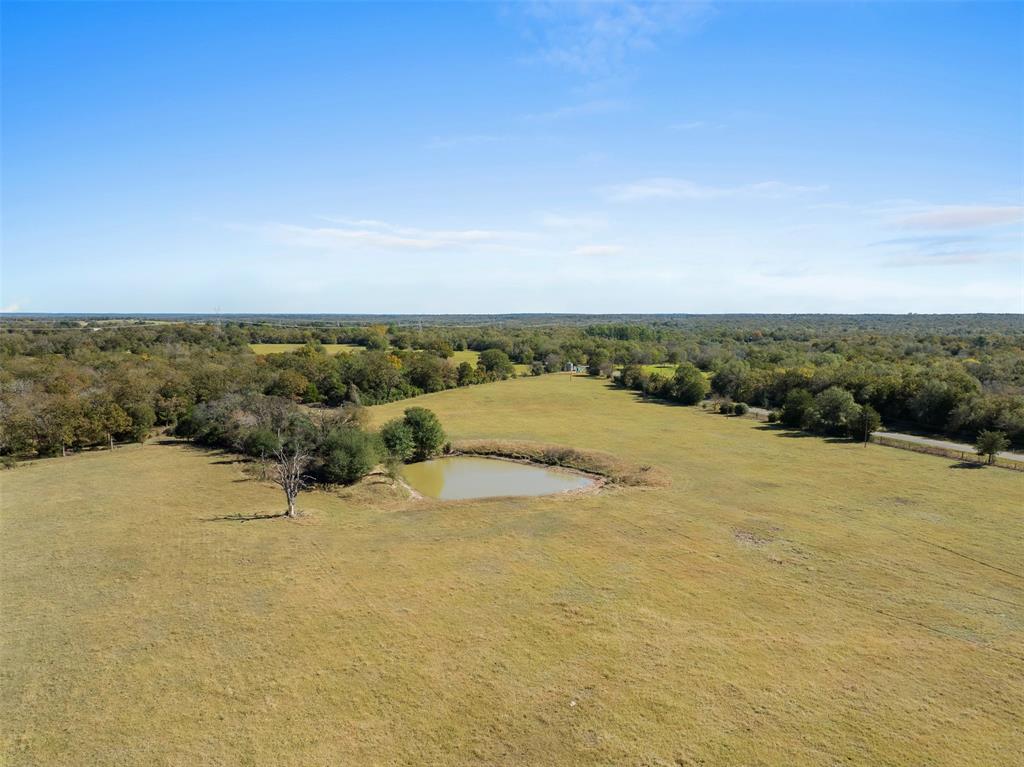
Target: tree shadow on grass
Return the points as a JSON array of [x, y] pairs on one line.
[[791, 433], [227, 457], [785, 431], [967, 465], [245, 517]]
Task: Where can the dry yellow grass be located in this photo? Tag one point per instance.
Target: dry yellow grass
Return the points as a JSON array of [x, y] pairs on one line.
[[783, 602]]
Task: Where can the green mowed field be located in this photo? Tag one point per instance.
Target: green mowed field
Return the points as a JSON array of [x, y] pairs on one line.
[[784, 601], [282, 348], [664, 370], [472, 357], [468, 355]]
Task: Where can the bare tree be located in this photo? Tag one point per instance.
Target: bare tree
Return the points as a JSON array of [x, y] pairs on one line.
[[289, 470]]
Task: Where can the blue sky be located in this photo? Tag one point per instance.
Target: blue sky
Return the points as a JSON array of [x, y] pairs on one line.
[[603, 157]]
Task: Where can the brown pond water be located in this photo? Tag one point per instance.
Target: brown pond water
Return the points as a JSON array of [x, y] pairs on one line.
[[461, 477]]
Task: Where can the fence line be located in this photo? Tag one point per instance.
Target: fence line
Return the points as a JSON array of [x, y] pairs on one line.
[[963, 456]]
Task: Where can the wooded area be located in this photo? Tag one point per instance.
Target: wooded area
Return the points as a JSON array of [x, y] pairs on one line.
[[73, 383]]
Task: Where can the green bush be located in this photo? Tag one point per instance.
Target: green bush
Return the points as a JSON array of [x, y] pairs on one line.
[[348, 455], [427, 435], [834, 412], [398, 439], [495, 363], [261, 442], [798, 402], [740, 408], [991, 443], [689, 386]]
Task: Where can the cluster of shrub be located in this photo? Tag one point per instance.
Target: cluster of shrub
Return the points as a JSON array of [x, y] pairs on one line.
[[374, 377], [339, 447], [847, 396], [832, 411], [54, 403]]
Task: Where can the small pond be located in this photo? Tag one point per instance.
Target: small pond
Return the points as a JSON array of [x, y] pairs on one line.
[[460, 477]]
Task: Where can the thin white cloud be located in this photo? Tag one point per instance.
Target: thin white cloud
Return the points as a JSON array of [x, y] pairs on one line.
[[686, 126], [598, 250], [947, 259], [582, 109], [945, 250], [951, 217], [475, 139], [597, 37], [362, 234], [581, 221], [666, 188], [11, 308]]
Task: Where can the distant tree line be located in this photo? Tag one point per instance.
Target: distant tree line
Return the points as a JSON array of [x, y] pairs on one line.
[[72, 383]]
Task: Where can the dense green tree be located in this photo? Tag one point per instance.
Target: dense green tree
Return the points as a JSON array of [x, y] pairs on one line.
[[834, 412], [991, 443], [867, 421], [105, 420], [689, 386], [730, 379], [375, 341], [288, 383], [553, 362], [427, 434], [348, 455], [260, 442], [398, 439], [595, 361], [798, 403], [629, 376], [465, 374], [426, 372], [495, 363], [143, 419]]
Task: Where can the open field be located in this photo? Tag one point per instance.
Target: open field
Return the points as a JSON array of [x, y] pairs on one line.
[[471, 357], [282, 348], [784, 601], [468, 355], [666, 370]]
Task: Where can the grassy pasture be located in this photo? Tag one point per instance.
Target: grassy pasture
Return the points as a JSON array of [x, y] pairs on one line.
[[467, 355], [783, 601], [282, 348], [472, 357], [664, 370]]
